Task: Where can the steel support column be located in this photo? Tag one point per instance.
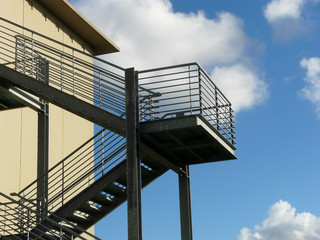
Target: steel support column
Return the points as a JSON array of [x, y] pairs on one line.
[[185, 204], [43, 146], [133, 156]]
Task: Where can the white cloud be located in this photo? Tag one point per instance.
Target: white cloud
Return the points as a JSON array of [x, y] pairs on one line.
[[286, 18], [284, 223], [150, 34], [283, 9], [243, 87], [312, 90]]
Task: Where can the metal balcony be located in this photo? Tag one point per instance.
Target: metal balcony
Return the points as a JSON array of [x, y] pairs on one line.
[[183, 119]]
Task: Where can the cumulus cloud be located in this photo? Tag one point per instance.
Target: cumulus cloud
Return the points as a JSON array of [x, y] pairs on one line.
[[284, 223], [312, 90], [151, 34], [283, 9], [242, 86], [286, 18]]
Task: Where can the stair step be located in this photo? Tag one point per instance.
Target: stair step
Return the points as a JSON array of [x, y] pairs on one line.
[[91, 207], [116, 189], [122, 179], [104, 199], [78, 217]]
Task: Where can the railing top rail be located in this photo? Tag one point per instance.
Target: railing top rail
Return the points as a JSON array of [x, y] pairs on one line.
[[185, 65], [62, 44]]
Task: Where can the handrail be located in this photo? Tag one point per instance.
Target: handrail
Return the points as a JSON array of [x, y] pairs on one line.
[[100, 83], [185, 89], [179, 66], [60, 43], [35, 221], [88, 163], [60, 162], [57, 217]]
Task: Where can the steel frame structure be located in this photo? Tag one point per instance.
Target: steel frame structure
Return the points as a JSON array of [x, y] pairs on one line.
[[143, 111]]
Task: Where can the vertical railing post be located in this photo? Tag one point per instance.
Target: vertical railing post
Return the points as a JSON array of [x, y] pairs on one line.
[[217, 107], [102, 146], [24, 56], [200, 97], [190, 99], [32, 54], [100, 97], [5, 219], [185, 204], [133, 156], [73, 72], [61, 72], [62, 184]]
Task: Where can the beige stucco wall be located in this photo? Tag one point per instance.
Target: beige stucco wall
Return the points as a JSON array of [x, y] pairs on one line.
[[18, 127]]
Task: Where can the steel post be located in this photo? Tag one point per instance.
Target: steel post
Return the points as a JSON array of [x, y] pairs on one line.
[[43, 149], [133, 156], [185, 204]]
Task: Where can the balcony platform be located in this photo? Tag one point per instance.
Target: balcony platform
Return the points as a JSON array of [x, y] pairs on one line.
[[187, 140]]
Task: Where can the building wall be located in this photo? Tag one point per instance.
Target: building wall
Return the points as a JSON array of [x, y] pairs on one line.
[[18, 127]]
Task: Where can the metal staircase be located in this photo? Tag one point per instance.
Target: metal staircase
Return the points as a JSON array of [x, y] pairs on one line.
[[182, 118]]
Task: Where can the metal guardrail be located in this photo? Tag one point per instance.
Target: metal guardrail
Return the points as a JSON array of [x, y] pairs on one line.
[[33, 225], [80, 169], [36, 55], [167, 92], [184, 90]]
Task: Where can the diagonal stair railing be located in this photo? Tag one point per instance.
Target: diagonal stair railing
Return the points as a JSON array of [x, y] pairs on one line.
[[80, 169], [34, 225]]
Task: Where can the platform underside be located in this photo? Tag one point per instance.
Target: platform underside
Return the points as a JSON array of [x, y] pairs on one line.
[[8, 100], [187, 140]]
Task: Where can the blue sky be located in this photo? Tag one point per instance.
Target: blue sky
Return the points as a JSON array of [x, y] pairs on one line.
[[265, 55]]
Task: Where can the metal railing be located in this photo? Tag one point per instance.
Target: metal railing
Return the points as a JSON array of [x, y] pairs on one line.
[[69, 69], [80, 169], [34, 225], [184, 90]]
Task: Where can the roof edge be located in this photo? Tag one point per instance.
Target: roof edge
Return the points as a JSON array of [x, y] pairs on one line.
[[72, 18]]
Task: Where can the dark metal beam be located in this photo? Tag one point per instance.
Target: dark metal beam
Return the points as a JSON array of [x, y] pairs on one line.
[[133, 156], [160, 159], [43, 147], [63, 100], [185, 205], [43, 159], [194, 143], [182, 144]]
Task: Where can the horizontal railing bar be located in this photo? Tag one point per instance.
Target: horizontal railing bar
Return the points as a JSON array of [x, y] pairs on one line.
[[62, 44]]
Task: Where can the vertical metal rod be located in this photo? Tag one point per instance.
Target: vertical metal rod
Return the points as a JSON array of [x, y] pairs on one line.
[[24, 57], [217, 108], [190, 90], [185, 204], [61, 73], [102, 145], [100, 98], [60, 231], [200, 97], [73, 71], [133, 156], [32, 55], [62, 184], [5, 219]]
